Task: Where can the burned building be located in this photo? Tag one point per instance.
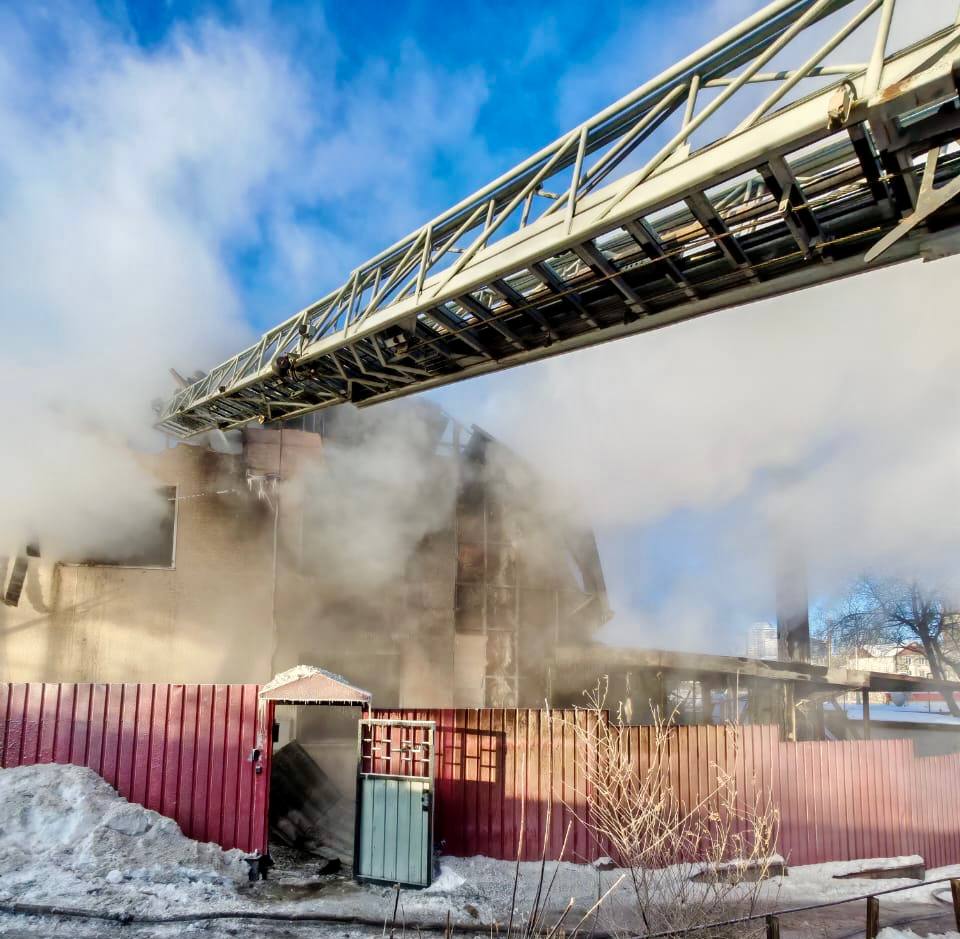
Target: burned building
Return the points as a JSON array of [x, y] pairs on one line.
[[414, 554]]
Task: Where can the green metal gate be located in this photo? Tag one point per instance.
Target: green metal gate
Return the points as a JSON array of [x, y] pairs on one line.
[[394, 832]]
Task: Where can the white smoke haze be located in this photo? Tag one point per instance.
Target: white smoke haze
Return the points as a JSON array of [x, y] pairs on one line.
[[128, 180], [829, 414], [380, 489], [118, 189]]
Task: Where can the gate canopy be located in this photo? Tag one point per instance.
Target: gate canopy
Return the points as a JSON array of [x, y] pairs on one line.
[[309, 684]]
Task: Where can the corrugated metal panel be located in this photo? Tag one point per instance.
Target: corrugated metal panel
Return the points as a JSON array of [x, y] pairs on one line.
[[182, 750], [837, 800]]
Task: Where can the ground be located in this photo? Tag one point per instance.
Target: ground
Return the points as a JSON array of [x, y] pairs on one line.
[[67, 840], [476, 891]]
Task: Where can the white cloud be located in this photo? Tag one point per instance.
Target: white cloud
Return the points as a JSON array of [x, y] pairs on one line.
[[129, 178]]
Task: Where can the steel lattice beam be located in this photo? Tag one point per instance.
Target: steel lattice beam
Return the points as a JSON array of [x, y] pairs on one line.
[[545, 259]]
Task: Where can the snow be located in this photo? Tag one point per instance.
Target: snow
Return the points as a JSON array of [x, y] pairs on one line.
[[891, 933], [447, 882], [67, 838], [846, 868], [901, 715], [305, 671], [64, 832]]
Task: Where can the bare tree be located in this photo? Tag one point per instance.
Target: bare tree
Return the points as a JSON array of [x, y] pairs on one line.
[[688, 865], [888, 610]]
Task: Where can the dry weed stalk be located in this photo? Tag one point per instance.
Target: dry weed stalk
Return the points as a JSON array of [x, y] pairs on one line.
[[688, 864]]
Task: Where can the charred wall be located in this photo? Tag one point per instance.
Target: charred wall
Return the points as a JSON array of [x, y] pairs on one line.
[[267, 574]]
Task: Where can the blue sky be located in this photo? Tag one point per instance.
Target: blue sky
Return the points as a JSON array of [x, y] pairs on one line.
[[179, 176], [506, 77], [518, 74]]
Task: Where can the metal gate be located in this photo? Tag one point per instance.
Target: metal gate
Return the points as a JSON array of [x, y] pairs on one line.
[[394, 831]]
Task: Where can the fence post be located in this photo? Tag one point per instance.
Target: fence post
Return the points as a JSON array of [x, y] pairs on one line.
[[873, 917], [773, 927], [955, 892]]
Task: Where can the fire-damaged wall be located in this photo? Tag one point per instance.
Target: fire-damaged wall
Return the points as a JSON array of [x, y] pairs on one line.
[[415, 557], [527, 581], [203, 615]]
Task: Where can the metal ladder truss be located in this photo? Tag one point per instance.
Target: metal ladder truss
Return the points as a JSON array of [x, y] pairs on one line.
[[603, 233]]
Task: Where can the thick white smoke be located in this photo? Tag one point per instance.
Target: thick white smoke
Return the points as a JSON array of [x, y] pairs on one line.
[[129, 179], [123, 174], [379, 490], [829, 414]]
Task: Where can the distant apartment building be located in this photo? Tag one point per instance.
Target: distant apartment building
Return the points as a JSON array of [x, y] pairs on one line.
[[762, 641]]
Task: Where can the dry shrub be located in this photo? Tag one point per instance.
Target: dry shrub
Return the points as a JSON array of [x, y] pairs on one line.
[[688, 865]]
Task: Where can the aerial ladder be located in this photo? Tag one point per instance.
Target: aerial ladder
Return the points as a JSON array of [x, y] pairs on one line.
[[755, 166]]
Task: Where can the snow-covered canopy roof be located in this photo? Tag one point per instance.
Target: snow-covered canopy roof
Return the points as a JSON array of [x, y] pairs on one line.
[[309, 684]]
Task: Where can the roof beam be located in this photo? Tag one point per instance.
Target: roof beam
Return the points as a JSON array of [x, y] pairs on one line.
[[695, 665]]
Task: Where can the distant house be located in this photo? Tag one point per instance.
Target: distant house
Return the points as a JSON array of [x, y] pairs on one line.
[[892, 659], [912, 660]]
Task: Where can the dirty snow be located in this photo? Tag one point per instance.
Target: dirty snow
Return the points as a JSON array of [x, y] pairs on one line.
[[891, 933], [66, 835], [67, 838], [446, 882], [876, 864]]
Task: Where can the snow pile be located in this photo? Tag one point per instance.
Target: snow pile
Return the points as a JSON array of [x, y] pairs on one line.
[[850, 868], [66, 838], [891, 933], [66, 835], [447, 882]]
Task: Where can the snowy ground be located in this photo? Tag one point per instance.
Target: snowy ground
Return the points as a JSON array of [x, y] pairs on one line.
[[893, 933], [921, 713], [67, 839]]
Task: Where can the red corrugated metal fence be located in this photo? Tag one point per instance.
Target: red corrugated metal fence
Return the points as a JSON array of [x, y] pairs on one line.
[[185, 751], [182, 750], [837, 800]]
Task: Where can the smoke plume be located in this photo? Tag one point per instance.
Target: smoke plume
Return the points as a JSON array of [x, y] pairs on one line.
[[829, 415], [379, 490], [136, 185]]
